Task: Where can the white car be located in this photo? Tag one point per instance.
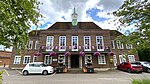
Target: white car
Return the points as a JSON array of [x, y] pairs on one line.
[[37, 68], [146, 66]]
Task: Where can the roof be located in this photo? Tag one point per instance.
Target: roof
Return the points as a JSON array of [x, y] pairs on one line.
[[5, 54], [68, 25], [115, 33]]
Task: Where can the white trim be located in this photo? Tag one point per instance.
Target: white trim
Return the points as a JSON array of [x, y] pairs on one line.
[[80, 61], [102, 43], [69, 62], [30, 45], [34, 57], [73, 38], [61, 57], [47, 59], [36, 45], [131, 58], [112, 44], [115, 60], [64, 46], [49, 43], [102, 59], [122, 59], [17, 60], [28, 58], [119, 44], [129, 46], [88, 56], [89, 37]]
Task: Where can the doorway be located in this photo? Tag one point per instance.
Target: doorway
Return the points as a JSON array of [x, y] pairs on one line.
[[74, 61]]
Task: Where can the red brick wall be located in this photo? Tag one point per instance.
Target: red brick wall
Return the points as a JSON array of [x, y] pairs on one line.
[[5, 58]]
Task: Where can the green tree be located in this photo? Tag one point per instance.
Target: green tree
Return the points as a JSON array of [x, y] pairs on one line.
[[137, 13], [1, 72], [16, 17]]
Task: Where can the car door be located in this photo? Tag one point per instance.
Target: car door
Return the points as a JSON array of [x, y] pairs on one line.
[[31, 68], [125, 66], [121, 66], [38, 68]]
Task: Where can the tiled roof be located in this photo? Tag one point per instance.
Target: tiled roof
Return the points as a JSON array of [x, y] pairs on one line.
[[115, 32], [68, 25]]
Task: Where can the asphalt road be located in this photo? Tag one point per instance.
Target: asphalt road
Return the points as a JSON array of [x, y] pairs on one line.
[[103, 77]]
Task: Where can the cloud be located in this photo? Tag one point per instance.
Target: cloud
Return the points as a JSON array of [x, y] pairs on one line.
[[96, 14], [87, 10], [110, 5]]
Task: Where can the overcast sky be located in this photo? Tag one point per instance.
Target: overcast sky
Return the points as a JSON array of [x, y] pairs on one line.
[[88, 10]]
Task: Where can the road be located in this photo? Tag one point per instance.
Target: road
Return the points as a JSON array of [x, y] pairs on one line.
[[103, 77]]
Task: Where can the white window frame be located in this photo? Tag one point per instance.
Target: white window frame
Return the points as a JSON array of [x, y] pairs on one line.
[[24, 60], [47, 59], [36, 45], [115, 60], [61, 57], [64, 46], [112, 44], [102, 59], [30, 44], [131, 58], [119, 45], [129, 46], [122, 59], [73, 38], [17, 59], [34, 57], [49, 43], [102, 43], [89, 43], [88, 57]]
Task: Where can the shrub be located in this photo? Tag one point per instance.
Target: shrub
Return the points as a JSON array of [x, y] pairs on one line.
[[141, 81], [1, 72]]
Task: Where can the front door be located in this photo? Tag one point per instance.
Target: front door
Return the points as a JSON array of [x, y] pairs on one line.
[[74, 61]]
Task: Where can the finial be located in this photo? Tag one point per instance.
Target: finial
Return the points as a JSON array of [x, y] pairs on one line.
[[74, 10]]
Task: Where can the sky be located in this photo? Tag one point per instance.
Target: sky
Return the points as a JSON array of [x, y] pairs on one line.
[[97, 11], [88, 11]]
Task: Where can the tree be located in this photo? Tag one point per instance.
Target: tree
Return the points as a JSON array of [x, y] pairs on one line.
[[16, 17], [1, 72], [136, 12]]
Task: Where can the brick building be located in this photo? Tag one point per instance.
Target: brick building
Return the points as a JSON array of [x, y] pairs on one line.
[[4, 58], [74, 44]]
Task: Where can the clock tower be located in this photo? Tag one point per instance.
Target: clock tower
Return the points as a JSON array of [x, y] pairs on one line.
[[74, 18]]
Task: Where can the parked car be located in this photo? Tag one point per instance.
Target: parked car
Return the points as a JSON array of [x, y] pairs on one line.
[[130, 67], [145, 65], [37, 68]]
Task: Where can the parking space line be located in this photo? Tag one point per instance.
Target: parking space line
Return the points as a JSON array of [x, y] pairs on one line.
[[19, 71], [7, 72]]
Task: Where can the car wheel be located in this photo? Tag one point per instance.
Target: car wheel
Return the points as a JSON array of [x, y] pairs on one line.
[[25, 73], [148, 70], [129, 70], [45, 72], [118, 68]]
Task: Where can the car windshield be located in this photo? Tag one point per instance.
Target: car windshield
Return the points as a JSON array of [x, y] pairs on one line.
[[146, 63], [135, 63]]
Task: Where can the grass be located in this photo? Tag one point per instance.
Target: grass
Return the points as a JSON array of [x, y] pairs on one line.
[[141, 81]]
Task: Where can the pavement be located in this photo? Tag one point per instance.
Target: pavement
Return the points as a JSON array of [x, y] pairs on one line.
[[101, 77]]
